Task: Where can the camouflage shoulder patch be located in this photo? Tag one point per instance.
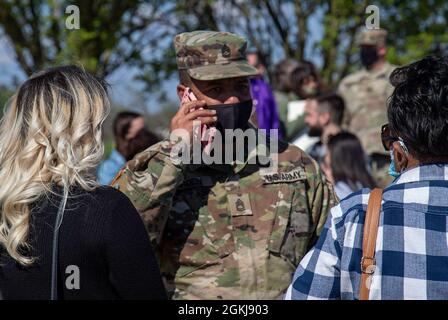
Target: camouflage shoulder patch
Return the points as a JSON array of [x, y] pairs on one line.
[[289, 153], [295, 157]]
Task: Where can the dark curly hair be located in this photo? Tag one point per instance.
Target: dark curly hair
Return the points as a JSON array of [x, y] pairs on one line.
[[418, 107]]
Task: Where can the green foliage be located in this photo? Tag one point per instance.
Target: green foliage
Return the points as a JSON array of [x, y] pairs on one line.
[[109, 144], [416, 28], [5, 94], [108, 36], [139, 33]]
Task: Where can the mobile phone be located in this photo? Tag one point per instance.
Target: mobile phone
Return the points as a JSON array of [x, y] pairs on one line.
[[188, 96], [207, 134]]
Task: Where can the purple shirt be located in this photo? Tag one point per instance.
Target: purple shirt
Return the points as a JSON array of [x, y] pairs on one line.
[[265, 106]]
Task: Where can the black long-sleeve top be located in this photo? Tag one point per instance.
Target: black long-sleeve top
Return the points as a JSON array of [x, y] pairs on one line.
[[101, 236]]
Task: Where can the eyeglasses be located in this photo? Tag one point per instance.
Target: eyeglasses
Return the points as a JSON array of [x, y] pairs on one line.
[[387, 139]]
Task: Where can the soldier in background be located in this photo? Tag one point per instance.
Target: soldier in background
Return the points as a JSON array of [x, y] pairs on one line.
[[365, 93], [284, 94], [233, 230]]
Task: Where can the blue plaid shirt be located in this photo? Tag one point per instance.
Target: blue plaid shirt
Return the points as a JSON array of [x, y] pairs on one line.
[[411, 248]]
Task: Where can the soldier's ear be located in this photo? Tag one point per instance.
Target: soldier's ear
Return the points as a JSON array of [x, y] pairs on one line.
[[181, 90]]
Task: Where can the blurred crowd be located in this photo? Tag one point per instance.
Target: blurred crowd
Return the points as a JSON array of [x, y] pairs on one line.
[[308, 113]]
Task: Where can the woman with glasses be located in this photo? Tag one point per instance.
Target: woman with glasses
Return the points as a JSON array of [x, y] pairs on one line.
[[410, 260]]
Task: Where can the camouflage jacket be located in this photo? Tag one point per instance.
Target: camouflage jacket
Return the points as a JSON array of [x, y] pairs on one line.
[[228, 232], [365, 94]]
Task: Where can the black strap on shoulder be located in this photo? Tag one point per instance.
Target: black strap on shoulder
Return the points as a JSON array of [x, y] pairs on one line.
[[54, 258]]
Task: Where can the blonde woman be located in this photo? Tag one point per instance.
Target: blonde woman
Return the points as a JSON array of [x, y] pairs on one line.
[[61, 235]]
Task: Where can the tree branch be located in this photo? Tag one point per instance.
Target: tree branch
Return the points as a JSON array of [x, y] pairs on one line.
[[282, 32]]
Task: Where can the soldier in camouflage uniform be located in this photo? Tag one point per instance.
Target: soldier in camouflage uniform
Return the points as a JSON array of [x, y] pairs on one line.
[[365, 93], [228, 231]]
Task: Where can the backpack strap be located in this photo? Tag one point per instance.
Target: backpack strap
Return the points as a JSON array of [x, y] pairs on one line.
[[370, 232]]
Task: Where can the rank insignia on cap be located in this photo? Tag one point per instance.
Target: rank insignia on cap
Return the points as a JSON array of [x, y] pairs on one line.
[[225, 51], [212, 55]]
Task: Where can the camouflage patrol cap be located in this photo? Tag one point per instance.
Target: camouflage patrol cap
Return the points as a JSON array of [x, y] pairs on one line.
[[212, 55], [372, 37]]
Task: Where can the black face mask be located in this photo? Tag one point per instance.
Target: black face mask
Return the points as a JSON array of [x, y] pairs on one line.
[[369, 56], [232, 116]]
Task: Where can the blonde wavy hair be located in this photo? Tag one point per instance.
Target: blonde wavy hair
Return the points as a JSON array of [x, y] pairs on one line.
[[50, 135]]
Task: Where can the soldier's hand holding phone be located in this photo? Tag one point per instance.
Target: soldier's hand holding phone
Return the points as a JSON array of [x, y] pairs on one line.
[[192, 110]]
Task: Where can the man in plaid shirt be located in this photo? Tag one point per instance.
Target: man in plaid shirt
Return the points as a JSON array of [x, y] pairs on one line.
[[412, 244]]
